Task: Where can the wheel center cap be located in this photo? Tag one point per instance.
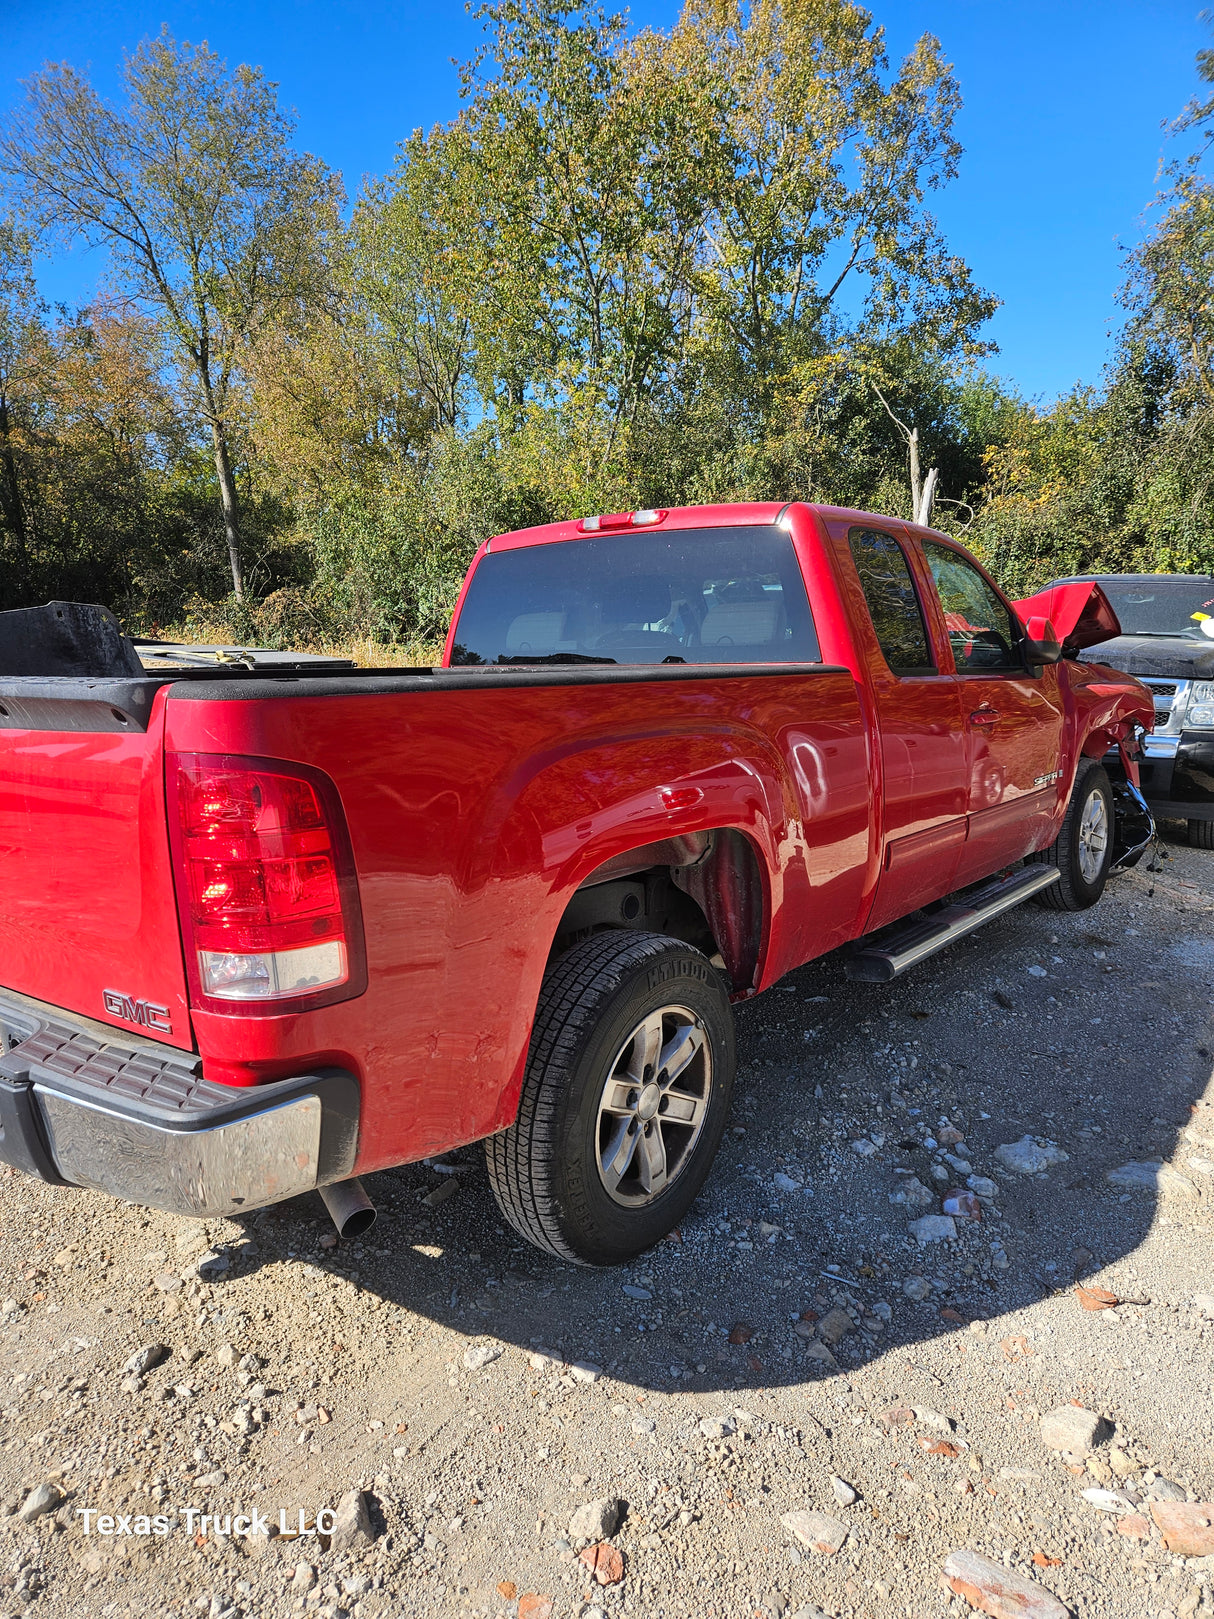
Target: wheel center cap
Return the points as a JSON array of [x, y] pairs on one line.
[[649, 1101]]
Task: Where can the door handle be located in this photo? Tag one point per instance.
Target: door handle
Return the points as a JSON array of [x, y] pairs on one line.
[[984, 716]]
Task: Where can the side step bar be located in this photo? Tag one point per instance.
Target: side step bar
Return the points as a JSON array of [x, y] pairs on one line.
[[913, 942]]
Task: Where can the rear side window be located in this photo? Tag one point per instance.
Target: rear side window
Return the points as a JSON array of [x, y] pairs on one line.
[[893, 602], [980, 628], [716, 595]]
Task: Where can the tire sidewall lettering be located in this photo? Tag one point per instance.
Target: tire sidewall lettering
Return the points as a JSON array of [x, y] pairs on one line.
[[669, 972]]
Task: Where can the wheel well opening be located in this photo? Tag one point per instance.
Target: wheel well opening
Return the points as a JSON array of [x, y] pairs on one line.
[[704, 888]]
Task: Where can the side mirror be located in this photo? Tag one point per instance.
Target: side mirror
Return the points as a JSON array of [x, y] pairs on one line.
[[1041, 644]]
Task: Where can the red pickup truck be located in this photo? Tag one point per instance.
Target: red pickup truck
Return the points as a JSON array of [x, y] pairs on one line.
[[268, 926]]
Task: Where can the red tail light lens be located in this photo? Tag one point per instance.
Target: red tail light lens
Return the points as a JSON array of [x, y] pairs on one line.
[[266, 884]]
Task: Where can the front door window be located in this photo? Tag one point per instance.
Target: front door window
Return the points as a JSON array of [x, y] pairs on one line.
[[980, 628], [1013, 719]]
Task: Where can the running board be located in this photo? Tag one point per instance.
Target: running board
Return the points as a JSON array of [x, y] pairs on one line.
[[915, 941]]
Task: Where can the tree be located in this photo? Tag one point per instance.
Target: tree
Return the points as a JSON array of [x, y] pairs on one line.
[[213, 221], [587, 178], [23, 352], [818, 220]]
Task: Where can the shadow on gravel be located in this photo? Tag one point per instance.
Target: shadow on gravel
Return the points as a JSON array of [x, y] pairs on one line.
[[1089, 1032]]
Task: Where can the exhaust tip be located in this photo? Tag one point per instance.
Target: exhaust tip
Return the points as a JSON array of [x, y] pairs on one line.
[[350, 1209], [360, 1221]]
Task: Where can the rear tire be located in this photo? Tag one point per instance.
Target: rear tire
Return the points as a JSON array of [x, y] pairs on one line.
[[624, 1099], [1083, 849], [1201, 834]]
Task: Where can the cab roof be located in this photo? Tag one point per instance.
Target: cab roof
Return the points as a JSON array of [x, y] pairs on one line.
[[731, 514]]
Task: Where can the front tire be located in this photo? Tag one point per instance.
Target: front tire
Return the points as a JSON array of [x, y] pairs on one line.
[[1201, 834], [624, 1100], [1083, 849]]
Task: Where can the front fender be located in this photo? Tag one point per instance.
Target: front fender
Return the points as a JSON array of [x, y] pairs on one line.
[[1109, 705]]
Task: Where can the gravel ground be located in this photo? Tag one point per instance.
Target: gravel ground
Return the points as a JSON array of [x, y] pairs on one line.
[[794, 1350]]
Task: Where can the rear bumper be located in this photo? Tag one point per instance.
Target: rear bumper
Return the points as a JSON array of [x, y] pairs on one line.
[[81, 1111]]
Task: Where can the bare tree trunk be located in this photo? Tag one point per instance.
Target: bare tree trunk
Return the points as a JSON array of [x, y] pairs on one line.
[[927, 498], [230, 504], [912, 446], [923, 491], [12, 507]]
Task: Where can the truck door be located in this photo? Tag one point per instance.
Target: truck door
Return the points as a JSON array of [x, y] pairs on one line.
[[1013, 718], [922, 741]]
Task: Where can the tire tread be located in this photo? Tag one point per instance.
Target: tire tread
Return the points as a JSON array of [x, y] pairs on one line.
[[521, 1158], [1061, 896]]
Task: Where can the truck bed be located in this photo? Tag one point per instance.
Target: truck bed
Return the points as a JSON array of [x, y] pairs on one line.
[[473, 796]]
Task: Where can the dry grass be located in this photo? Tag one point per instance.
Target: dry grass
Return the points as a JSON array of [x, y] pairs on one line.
[[366, 653]]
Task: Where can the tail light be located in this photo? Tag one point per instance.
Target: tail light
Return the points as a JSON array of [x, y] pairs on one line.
[[267, 890]]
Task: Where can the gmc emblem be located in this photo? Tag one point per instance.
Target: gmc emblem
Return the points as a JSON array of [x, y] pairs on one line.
[[145, 1013]]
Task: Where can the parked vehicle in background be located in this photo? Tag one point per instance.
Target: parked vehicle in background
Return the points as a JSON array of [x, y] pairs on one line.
[[266, 928], [1167, 641]]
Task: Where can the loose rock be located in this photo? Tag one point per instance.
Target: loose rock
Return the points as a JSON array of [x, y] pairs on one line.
[[996, 1590], [843, 1492], [478, 1356], [1187, 1527], [933, 1419], [1152, 1175], [818, 1351], [352, 1523], [912, 1194], [962, 1205], [1108, 1501], [143, 1360], [933, 1228], [1027, 1157], [834, 1326], [718, 1427], [1071, 1428], [532, 1605], [43, 1499], [596, 1520], [604, 1562], [820, 1533]]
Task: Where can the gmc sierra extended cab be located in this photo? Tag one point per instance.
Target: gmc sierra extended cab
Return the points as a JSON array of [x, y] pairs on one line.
[[267, 928]]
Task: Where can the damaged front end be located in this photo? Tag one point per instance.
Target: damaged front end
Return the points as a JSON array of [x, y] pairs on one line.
[[1133, 823]]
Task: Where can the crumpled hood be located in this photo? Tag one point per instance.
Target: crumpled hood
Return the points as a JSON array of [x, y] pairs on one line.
[[1155, 656], [1081, 613]]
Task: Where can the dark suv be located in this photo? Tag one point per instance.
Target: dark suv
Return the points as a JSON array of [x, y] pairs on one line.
[[1167, 640]]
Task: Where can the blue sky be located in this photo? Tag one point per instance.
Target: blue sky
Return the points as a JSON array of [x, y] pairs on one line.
[[1064, 103]]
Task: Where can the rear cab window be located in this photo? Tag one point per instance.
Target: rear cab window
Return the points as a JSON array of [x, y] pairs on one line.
[[706, 596]]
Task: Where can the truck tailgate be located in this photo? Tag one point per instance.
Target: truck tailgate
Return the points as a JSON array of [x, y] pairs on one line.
[[88, 917]]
